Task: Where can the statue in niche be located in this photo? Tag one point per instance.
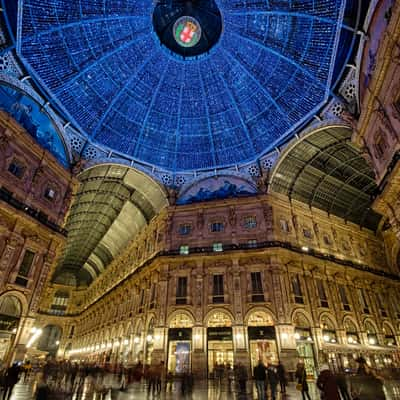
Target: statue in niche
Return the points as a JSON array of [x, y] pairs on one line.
[[350, 119], [78, 166], [232, 216], [200, 220], [385, 119], [172, 194]]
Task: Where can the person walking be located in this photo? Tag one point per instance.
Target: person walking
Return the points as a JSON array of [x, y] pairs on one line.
[[242, 378], [10, 380], [282, 377], [326, 383], [366, 385], [260, 376], [273, 380], [342, 385], [301, 377]]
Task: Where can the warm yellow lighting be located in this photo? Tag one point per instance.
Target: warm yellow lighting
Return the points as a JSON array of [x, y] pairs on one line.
[[297, 336]]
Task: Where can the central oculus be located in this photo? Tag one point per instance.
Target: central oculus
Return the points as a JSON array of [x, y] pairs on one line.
[[187, 28], [187, 31]]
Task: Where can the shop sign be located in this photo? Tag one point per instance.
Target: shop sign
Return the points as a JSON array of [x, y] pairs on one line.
[[219, 333], [180, 334], [261, 332]]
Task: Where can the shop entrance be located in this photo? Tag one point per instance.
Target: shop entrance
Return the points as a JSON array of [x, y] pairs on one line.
[[179, 350], [262, 343], [219, 349], [10, 313]]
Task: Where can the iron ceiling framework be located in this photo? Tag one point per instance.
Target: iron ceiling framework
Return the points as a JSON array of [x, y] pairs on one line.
[[324, 170], [112, 205]]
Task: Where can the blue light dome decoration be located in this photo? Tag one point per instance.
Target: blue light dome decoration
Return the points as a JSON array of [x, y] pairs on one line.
[[107, 68], [187, 28]]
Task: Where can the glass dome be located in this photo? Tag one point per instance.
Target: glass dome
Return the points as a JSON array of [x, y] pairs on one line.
[[107, 68]]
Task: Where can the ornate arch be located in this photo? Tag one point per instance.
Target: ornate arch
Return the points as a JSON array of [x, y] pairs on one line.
[[269, 316], [21, 298], [330, 317], [300, 312], [369, 320], [178, 312], [223, 312], [352, 320]]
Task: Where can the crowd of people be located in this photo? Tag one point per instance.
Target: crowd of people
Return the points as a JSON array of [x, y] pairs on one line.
[[59, 380]]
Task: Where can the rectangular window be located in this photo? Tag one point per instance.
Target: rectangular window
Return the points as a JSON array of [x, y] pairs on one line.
[[321, 293], [380, 303], [284, 225], [185, 229], [307, 233], [363, 301], [16, 169], [49, 194], [217, 247], [184, 250], [218, 289], [257, 287], [252, 243], [141, 301], [343, 298], [152, 295], [217, 227], [26, 263], [181, 290], [250, 222], [298, 295]]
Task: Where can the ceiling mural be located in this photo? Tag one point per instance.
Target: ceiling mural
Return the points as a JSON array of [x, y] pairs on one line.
[[140, 75], [35, 121], [217, 188]]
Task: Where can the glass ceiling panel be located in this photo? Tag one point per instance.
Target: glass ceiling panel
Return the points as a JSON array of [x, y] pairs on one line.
[[103, 65]]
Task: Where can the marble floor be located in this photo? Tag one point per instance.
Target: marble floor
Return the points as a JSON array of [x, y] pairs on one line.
[[202, 390]]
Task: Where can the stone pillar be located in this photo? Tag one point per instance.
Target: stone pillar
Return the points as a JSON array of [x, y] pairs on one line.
[[160, 340], [287, 346], [199, 355], [240, 346]]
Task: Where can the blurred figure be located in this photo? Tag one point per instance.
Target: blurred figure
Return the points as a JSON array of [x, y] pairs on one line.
[[10, 380], [282, 377], [366, 385], [260, 377], [326, 383], [273, 379], [241, 374], [42, 389], [342, 385], [301, 377]]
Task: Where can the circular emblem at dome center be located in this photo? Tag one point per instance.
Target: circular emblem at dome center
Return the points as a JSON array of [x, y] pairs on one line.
[[187, 31], [187, 28]]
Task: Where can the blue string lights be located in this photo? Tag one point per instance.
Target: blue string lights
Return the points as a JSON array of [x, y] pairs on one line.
[[103, 64]]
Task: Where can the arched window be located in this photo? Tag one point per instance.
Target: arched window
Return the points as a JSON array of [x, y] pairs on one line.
[[351, 332], [302, 328], [328, 330], [390, 339], [371, 333], [10, 313]]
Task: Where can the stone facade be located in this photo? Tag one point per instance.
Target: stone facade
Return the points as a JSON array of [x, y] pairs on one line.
[[292, 282], [35, 194]]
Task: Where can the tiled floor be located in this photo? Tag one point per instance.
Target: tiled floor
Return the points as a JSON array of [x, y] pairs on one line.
[[201, 391]]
